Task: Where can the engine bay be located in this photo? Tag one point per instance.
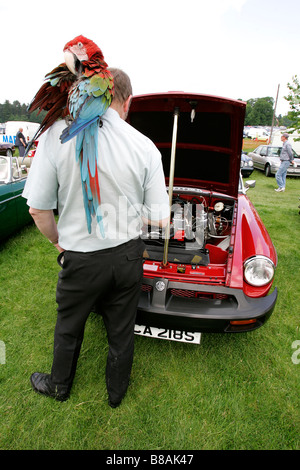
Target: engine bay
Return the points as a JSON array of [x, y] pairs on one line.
[[199, 232]]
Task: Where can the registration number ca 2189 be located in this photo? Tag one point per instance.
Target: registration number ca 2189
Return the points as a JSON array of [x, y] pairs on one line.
[[164, 333]]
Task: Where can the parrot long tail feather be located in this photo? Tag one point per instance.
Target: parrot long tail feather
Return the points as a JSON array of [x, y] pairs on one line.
[[87, 154]]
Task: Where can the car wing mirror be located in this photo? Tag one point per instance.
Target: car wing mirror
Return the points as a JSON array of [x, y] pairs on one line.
[[250, 184]]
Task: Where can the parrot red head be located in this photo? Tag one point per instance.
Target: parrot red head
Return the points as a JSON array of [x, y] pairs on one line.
[[80, 49]]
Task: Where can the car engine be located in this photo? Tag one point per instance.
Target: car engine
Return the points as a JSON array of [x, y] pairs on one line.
[[196, 222]]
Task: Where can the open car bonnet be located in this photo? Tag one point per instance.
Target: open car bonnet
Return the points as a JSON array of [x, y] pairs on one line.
[[208, 137]]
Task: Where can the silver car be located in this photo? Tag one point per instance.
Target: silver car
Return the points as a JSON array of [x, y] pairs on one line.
[[266, 158]]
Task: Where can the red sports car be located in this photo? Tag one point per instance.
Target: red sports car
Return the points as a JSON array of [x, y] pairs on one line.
[[211, 269]]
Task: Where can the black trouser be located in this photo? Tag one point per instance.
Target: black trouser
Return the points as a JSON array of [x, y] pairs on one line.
[[110, 281]]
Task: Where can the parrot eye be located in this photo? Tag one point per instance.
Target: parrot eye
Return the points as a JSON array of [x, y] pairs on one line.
[[80, 45]]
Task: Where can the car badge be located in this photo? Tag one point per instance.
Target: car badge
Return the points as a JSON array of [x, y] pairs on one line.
[[160, 286]]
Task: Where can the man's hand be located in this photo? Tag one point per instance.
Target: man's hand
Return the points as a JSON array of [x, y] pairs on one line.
[[59, 248], [45, 222]]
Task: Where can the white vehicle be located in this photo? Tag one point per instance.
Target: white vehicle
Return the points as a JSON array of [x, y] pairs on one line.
[[258, 133], [12, 127], [276, 140]]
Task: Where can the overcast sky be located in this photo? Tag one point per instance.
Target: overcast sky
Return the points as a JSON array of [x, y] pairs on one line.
[[238, 49]]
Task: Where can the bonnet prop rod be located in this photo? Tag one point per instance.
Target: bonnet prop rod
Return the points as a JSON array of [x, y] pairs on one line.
[[171, 182]]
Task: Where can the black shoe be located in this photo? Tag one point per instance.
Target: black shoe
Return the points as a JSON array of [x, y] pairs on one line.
[[41, 383], [114, 404]]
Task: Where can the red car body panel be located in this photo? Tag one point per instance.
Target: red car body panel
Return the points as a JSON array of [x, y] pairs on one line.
[[251, 238]]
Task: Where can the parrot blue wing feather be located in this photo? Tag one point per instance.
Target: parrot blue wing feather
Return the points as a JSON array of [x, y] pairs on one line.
[[88, 114], [71, 132], [79, 143]]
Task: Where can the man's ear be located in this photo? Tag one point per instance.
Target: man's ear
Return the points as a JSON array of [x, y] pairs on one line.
[[126, 105]]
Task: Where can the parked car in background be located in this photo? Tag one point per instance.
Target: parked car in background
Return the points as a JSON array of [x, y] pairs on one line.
[[215, 270], [7, 148], [14, 212], [258, 133], [267, 159], [246, 165]]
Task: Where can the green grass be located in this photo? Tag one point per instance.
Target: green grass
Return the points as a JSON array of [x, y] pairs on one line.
[[230, 392]]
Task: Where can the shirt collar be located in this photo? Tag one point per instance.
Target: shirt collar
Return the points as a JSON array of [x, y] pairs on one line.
[[111, 114]]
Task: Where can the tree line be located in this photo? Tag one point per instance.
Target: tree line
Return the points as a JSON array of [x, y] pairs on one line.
[[294, 101], [259, 111], [18, 112]]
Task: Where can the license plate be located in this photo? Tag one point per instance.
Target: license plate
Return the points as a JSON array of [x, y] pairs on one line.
[[171, 335]]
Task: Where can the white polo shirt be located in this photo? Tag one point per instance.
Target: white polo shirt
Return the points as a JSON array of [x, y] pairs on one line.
[[131, 181]]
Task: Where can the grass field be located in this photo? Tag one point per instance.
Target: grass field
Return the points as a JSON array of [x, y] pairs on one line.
[[230, 392]]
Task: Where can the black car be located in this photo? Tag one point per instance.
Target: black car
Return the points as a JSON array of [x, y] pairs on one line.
[[246, 165], [7, 149]]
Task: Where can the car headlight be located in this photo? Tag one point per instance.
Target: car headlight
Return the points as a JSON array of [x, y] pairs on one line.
[[250, 163], [258, 270]]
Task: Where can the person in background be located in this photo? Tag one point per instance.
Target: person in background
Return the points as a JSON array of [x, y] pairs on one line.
[[20, 142], [104, 273], [286, 158]]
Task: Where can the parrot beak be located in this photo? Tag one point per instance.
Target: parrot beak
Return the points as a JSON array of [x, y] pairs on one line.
[[70, 61]]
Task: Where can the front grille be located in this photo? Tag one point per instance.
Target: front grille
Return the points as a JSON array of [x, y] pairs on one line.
[[197, 294], [146, 288]]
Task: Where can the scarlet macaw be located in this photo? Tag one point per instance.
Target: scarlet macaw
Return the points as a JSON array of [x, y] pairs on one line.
[[83, 88]]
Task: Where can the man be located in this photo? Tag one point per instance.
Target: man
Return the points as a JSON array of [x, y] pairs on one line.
[[286, 157], [97, 272], [20, 142]]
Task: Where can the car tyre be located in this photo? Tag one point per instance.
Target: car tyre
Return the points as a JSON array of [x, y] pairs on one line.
[[267, 170]]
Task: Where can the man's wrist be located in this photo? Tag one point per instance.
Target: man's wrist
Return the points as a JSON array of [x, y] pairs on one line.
[[53, 243]]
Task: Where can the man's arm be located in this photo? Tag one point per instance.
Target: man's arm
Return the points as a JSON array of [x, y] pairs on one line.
[[157, 223], [45, 222], [290, 152]]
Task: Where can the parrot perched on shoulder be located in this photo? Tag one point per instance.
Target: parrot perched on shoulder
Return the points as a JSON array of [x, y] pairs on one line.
[[81, 88]]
